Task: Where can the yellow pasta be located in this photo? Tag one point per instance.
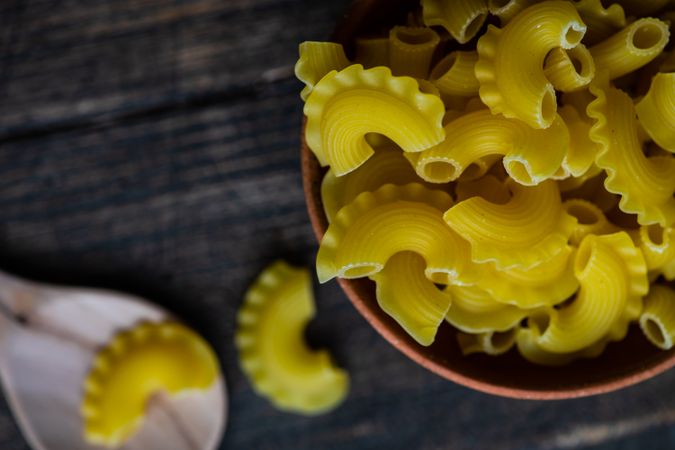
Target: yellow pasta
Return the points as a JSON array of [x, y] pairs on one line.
[[377, 225], [530, 156], [454, 75], [642, 7], [461, 18], [582, 150], [507, 9], [631, 48], [590, 220], [410, 298], [569, 70], [531, 228], [491, 343], [272, 350], [602, 22], [657, 245], [658, 317], [316, 60], [488, 187], [613, 278], [593, 190], [372, 51], [473, 310], [656, 111], [135, 365], [411, 50], [347, 105], [646, 185], [388, 165], [512, 81], [546, 284]]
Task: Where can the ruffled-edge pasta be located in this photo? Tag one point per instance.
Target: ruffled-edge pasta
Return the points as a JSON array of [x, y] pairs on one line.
[[454, 75], [377, 225], [657, 320], [461, 18], [545, 284], [410, 298], [136, 364], [347, 105], [631, 48], [473, 310], [387, 165], [372, 51], [590, 220], [531, 228], [569, 70], [646, 185], [491, 343], [507, 9], [582, 150], [316, 60], [530, 156], [613, 278], [411, 50], [512, 82], [656, 111], [602, 22], [272, 351]]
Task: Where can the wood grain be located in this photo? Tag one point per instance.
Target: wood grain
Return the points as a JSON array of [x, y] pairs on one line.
[[182, 195]]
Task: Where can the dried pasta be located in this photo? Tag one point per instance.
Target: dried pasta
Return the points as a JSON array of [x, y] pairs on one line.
[[531, 228], [602, 22], [507, 9], [569, 70], [372, 51], [347, 105], [272, 350], [316, 60], [512, 82], [656, 111], [461, 18], [642, 7], [658, 317], [411, 50], [454, 75], [590, 220], [530, 155], [491, 343], [473, 310], [407, 295]]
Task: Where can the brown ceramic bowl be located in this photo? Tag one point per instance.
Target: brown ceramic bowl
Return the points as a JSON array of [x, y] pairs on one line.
[[622, 364]]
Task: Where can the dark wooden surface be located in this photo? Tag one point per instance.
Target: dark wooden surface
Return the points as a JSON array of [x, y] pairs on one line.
[[152, 146]]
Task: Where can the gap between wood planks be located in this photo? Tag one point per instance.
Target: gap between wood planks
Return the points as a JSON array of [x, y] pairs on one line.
[[198, 101]]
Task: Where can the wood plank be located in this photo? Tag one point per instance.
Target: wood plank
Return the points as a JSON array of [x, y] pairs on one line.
[[85, 61], [187, 206]]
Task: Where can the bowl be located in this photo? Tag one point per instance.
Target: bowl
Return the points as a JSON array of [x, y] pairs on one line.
[[622, 364]]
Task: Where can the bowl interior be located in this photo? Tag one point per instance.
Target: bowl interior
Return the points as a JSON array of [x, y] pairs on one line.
[[622, 364]]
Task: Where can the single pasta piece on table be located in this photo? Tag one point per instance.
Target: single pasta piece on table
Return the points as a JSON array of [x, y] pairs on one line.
[[272, 351]]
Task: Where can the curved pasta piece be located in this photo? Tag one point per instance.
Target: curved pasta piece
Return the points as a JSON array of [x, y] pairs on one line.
[[601, 22], [473, 310], [387, 165], [545, 284], [411, 50], [272, 351], [582, 150], [488, 187], [631, 48], [646, 185], [492, 343], [657, 245], [454, 75], [135, 365], [530, 156], [569, 70], [613, 277], [347, 105], [642, 7], [377, 225], [512, 82], [410, 298], [590, 220], [593, 190], [372, 51], [531, 228], [657, 320], [507, 9], [461, 18], [656, 111], [316, 60]]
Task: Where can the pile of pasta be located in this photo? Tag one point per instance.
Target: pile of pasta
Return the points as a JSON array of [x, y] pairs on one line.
[[505, 166]]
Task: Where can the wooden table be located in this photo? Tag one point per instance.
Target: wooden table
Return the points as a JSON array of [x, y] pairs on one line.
[[152, 146]]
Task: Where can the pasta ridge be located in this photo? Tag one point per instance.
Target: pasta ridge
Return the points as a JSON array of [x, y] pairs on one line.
[[473, 310], [315, 61], [461, 18], [656, 111]]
